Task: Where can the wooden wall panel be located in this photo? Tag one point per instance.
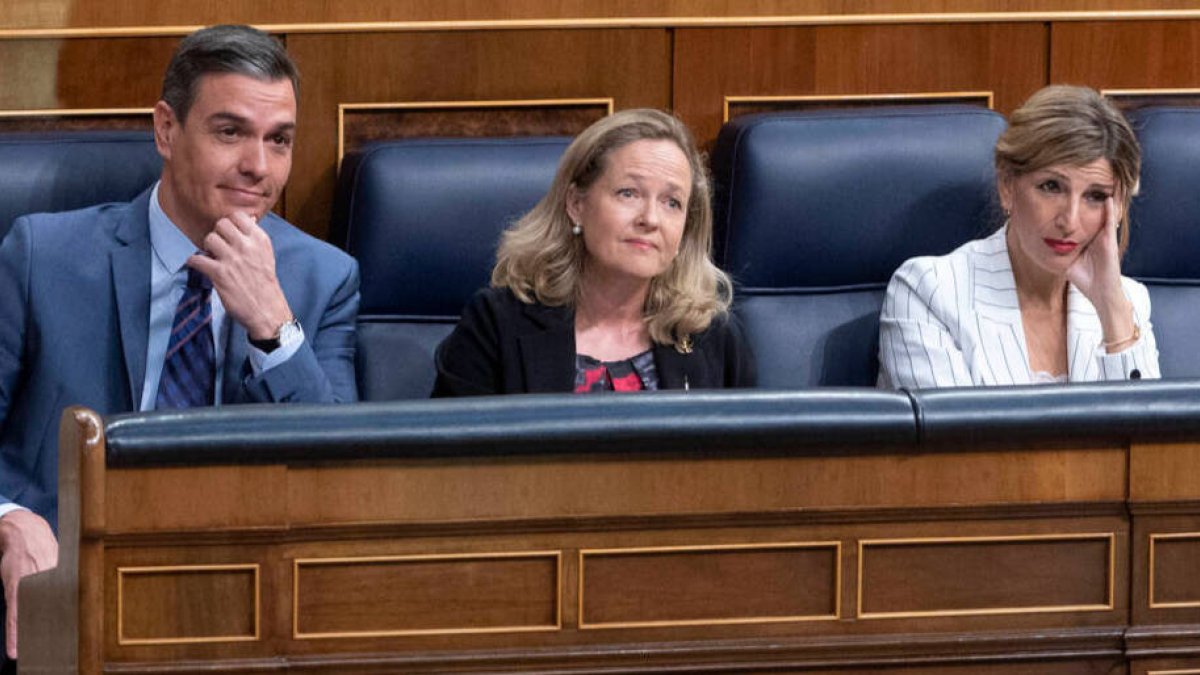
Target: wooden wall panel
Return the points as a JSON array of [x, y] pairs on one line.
[[1116, 55], [1007, 59], [632, 67], [84, 73]]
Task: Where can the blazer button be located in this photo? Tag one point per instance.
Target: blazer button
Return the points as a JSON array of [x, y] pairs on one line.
[[1135, 374]]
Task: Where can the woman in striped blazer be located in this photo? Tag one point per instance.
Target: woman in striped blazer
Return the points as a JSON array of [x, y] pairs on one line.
[[1042, 299]]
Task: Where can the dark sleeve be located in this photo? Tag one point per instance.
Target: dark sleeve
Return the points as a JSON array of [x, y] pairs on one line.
[[468, 360], [741, 371]]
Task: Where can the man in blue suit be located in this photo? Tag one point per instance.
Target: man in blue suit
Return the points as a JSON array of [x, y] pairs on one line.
[[91, 300]]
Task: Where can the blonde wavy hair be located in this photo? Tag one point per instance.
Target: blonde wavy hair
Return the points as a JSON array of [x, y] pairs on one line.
[[539, 259], [1062, 124]]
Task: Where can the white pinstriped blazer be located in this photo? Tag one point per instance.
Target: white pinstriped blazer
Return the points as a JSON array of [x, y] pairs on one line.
[[954, 321]]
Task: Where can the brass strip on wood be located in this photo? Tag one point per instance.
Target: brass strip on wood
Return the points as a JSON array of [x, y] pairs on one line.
[[767, 546], [343, 108], [835, 98], [1109, 605], [1155, 538], [74, 112], [425, 557], [174, 569], [619, 22]]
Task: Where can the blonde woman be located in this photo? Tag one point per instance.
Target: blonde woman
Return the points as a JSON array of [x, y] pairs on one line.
[[1042, 299], [607, 283]]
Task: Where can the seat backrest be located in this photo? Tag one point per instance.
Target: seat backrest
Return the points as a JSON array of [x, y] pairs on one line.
[[62, 171], [1165, 232], [815, 211], [423, 217]]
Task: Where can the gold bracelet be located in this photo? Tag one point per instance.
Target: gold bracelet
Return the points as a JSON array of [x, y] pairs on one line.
[[1137, 334]]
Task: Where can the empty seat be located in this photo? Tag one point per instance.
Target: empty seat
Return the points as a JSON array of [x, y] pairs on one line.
[[1164, 248], [423, 217], [815, 211], [70, 170]]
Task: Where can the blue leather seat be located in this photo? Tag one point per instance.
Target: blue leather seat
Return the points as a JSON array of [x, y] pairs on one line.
[[423, 217], [70, 170], [815, 211], [1164, 248]]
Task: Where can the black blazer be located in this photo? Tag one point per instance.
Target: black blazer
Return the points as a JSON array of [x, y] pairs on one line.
[[504, 346]]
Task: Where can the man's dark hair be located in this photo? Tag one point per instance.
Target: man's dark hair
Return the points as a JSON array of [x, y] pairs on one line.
[[241, 50]]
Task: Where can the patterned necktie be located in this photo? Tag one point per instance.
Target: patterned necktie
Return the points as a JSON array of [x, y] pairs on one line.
[[188, 374]]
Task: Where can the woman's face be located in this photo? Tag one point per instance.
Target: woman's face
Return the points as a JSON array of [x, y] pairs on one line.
[[1055, 212], [633, 216]]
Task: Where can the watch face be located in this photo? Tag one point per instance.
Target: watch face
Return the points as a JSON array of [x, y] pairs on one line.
[[290, 332]]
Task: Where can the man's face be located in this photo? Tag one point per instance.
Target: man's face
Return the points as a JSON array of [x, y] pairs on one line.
[[233, 153]]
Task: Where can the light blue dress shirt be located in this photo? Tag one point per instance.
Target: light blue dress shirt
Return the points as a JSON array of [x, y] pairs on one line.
[[169, 252]]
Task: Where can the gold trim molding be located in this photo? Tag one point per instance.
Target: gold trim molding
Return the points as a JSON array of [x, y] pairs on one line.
[[75, 112], [854, 98], [608, 103], [835, 546], [175, 569], [618, 22], [433, 557], [1108, 537], [1154, 538], [1190, 671]]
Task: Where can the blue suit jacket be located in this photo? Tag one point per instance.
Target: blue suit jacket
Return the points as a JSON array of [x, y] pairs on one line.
[[74, 321]]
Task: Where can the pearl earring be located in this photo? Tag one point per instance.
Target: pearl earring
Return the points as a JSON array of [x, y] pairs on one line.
[[576, 229]]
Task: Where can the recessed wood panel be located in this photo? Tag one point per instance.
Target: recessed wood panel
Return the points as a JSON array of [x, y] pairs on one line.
[[631, 67], [700, 585], [1175, 570], [187, 604], [413, 595], [748, 105], [83, 73], [50, 121], [710, 64], [985, 575], [365, 123]]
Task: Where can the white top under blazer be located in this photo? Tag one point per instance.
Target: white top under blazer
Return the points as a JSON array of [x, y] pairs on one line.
[[953, 321]]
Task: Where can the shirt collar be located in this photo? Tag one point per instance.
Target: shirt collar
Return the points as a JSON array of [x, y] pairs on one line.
[[170, 245]]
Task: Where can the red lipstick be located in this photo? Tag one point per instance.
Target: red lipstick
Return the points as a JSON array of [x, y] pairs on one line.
[[1061, 246]]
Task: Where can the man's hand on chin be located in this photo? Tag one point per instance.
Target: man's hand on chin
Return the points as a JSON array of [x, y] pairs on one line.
[[27, 546], [241, 265]]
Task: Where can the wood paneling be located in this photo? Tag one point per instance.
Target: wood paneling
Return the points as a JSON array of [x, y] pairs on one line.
[[964, 576], [365, 597], [85, 73], [1116, 55], [1007, 59], [363, 124], [632, 67], [696, 585], [163, 605], [1175, 570]]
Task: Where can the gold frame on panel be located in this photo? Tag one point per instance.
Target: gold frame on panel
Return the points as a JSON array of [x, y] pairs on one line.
[[837, 596], [425, 557], [174, 569], [463, 105], [1110, 537], [1186, 671], [1150, 582], [833, 98], [619, 22], [1161, 92], [74, 112]]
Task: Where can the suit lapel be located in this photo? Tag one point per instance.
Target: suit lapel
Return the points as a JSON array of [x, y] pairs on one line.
[[236, 347], [548, 351], [1001, 349], [675, 369], [130, 260]]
